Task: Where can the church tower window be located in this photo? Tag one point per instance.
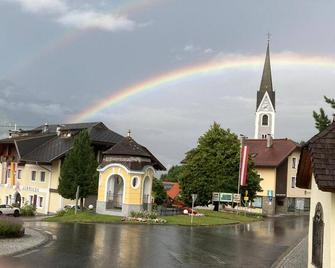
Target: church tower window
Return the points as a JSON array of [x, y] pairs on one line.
[[265, 120]]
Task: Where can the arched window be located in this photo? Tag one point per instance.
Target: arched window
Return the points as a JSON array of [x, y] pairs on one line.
[[265, 120]]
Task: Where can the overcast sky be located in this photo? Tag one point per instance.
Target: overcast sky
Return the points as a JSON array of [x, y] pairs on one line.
[[57, 57]]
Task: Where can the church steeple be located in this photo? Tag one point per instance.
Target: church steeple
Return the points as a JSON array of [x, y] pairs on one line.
[[266, 100], [266, 82]]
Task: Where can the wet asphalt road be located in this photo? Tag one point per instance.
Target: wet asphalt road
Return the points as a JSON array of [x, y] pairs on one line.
[[256, 245]]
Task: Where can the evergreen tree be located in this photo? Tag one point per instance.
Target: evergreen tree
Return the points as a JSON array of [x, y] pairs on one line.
[[79, 169], [158, 191], [321, 119], [213, 166]]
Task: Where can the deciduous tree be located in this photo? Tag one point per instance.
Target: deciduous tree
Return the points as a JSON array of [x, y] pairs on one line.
[[213, 166]]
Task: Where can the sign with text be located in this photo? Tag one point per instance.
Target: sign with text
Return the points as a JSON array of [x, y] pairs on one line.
[[216, 197], [236, 198], [226, 197]]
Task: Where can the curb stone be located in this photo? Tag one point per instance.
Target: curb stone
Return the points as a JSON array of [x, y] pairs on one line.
[[284, 260], [46, 239]]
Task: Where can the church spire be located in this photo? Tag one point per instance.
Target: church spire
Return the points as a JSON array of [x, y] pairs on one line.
[[266, 83], [266, 101]]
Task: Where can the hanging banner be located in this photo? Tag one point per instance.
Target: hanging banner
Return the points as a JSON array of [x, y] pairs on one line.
[[244, 166]]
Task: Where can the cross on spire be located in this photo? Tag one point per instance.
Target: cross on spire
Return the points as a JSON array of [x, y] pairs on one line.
[[129, 132]]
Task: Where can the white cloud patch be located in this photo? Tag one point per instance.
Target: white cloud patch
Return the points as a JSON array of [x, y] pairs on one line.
[[42, 6], [96, 20], [83, 17]]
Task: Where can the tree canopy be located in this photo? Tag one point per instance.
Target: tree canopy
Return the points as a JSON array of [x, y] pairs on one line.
[[213, 166], [158, 191], [173, 174], [79, 169], [322, 120]]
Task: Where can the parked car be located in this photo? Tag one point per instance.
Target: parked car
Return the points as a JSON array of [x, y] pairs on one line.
[[9, 210]]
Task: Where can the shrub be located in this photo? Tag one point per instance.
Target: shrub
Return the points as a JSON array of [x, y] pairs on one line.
[[28, 210], [144, 214], [10, 228]]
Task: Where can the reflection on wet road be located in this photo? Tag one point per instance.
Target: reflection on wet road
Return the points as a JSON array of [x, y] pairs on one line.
[[120, 245]]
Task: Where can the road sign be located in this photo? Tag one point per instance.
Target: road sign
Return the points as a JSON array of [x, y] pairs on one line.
[[226, 197], [236, 198], [246, 198]]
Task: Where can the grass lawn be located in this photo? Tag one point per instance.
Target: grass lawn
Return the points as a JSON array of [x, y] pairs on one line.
[[85, 217], [210, 218]]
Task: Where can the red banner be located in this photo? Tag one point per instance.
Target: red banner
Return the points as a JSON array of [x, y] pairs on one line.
[[244, 166]]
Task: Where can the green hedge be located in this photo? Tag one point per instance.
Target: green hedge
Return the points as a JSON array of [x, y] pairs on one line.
[[27, 210], [10, 228]]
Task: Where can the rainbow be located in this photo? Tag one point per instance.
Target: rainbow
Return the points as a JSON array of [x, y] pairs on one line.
[[71, 36], [196, 71]]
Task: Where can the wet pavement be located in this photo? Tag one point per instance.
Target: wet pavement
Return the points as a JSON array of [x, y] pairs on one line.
[[257, 244]]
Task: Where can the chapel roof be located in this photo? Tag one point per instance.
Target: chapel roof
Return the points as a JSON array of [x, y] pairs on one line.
[[318, 158]]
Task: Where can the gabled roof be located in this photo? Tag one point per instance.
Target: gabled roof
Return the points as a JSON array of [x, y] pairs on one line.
[[266, 82], [45, 146], [318, 157], [273, 156]]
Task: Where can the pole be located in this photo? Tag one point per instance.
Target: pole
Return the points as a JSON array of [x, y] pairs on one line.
[[77, 197], [242, 139], [192, 211]]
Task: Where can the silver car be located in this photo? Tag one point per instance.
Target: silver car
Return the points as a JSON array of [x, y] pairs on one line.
[[9, 210]]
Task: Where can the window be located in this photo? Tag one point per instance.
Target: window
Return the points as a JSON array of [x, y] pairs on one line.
[[9, 200], [6, 200], [33, 175], [31, 199], [135, 182], [19, 174], [42, 176], [264, 136], [22, 200], [8, 173], [293, 182], [294, 162], [265, 120], [40, 201]]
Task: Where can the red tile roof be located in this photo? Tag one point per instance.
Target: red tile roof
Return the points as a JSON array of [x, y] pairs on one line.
[[174, 191], [273, 156]]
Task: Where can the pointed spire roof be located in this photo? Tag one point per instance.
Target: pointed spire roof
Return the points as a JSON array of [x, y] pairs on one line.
[[266, 82]]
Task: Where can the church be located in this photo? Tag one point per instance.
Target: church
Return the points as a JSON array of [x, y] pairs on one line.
[[276, 159]]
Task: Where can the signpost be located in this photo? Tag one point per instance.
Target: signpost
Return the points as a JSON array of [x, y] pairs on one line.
[[194, 197], [236, 198]]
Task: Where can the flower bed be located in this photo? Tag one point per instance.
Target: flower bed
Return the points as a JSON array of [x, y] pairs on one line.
[[144, 217], [10, 227]]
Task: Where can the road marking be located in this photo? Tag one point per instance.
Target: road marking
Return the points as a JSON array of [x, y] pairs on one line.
[[26, 253]]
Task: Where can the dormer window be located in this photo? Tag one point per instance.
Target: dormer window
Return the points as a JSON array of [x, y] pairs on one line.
[[265, 120]]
